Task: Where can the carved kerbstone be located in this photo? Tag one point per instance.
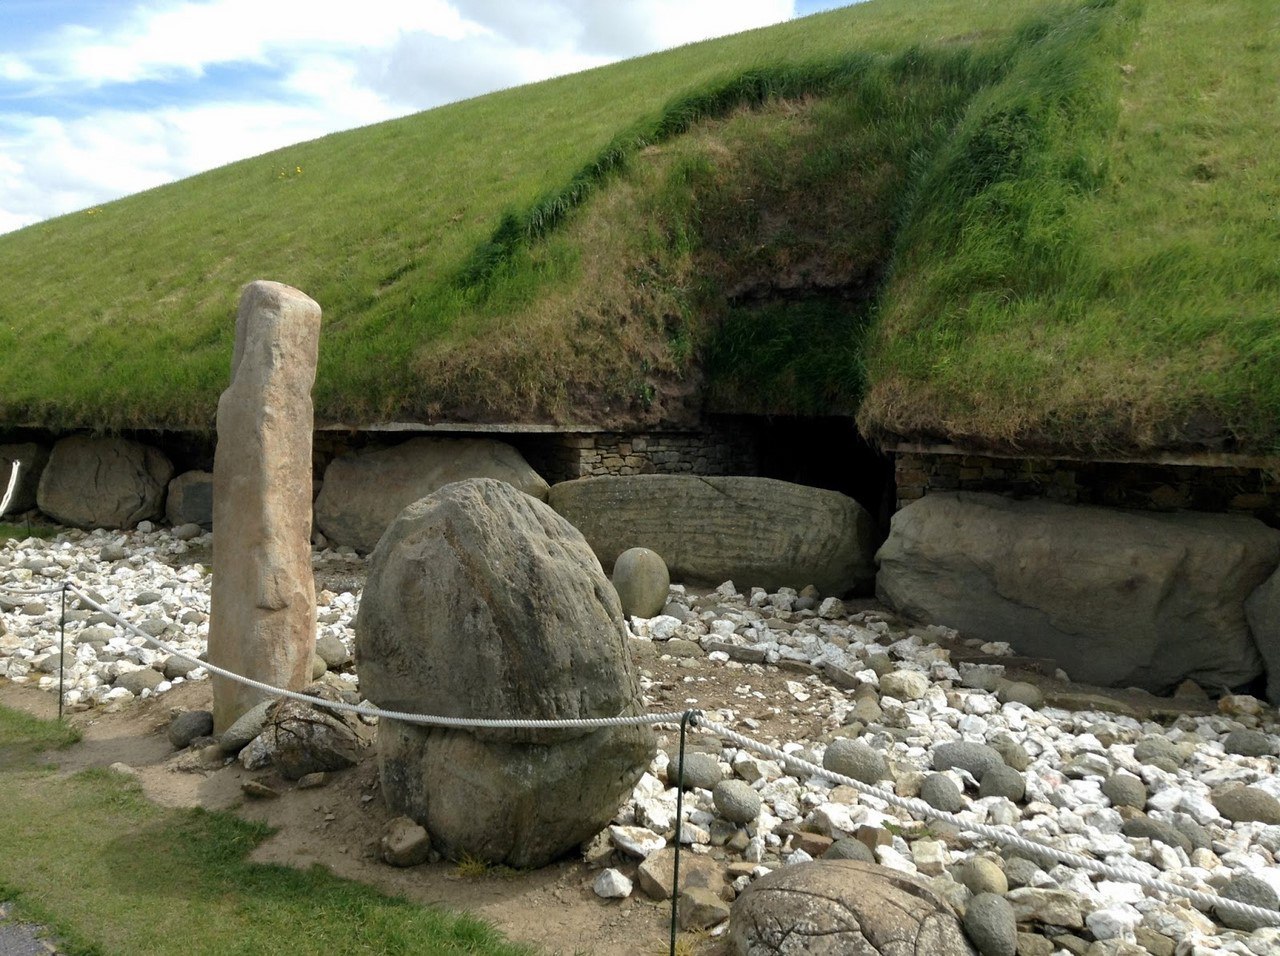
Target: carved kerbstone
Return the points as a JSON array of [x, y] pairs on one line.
[[263, 613]]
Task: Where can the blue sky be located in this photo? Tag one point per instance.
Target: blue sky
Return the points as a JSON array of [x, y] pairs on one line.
[[102, 98]]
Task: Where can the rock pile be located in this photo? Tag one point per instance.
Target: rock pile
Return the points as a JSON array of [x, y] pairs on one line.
[[1190, 800]]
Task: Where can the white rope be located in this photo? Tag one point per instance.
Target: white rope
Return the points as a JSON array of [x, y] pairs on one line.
[[12, 595], [462, 723], [999, 834], [13, 483]]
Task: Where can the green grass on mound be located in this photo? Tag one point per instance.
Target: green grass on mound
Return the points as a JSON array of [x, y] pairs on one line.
[[1026, 223]]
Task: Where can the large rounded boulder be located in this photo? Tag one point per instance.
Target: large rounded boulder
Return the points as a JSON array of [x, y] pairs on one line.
[[753, 531], [364, 491], [843, 908], [103, 482], [1117, 597], [483, 602]]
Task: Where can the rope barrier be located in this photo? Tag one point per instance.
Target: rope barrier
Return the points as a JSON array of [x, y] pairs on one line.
[[8, 491], [998, 834]]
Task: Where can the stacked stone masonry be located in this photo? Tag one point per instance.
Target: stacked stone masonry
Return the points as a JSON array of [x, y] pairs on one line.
[[724, 451], [1146, 487]]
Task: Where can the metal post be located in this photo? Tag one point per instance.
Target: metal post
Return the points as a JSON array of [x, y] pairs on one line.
[[685, 718], [62, 648]]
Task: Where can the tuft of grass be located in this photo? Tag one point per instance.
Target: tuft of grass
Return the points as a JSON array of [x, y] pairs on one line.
[[470, 867], [91, 858]]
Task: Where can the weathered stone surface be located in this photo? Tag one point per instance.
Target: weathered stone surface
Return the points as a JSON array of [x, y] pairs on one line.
[[364, 491], [1262, 610], [656, 874], [189, 725], [136, 681], [1116, 597], [263, 611], [33, 458], [481, 601], [190, 499], [304, 739], [755, 531], [641, 579], [405, 843], [843, 908], [103, 482]]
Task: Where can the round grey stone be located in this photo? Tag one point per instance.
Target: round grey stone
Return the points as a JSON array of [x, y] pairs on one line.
[[1125, 790], [991, 925], [736, 801], [1248, 743], [1245, 888], [856, 759], [1013, 753], [982, 875], [701, 770], [175, 666], [331, 650], [188, 726], [137, 681], [1194, 832], [641, 579], [847, 848], [1145, 827], [1020, 692], [1247, 805], [1159, 752], [941, 793], [1019, 871], [1002, 781], [973, 758]]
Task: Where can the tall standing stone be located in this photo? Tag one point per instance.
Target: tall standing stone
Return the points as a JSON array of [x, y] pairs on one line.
[[263, 613]]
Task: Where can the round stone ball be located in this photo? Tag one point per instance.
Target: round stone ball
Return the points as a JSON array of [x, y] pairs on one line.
[[941, 793], [856, 759], [701, 770], [1125, 790], [1002, 781], [991, 925], [847, 848], [736, 801], [641, 579]]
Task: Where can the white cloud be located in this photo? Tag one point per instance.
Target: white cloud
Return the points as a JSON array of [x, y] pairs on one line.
[[333, 64]]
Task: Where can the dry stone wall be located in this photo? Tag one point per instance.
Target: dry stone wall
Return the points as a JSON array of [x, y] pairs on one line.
[[1146, 487], [728, 449]]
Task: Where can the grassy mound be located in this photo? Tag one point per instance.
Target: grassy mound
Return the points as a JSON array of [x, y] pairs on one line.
[[1032, 224]]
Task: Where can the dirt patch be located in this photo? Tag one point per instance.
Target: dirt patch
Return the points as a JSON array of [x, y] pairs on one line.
[[339, 825]]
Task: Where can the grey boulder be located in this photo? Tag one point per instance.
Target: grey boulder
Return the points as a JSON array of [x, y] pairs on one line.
[[483, 602], [1062, 581], [365, 490], [1262, 610], [190, 499], [843, 908], [754, 531], [103, 482]]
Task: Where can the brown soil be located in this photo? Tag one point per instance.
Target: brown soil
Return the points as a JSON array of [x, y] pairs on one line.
[[339, 824]]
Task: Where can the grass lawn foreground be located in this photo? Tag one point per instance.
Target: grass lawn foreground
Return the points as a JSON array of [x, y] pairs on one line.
[[108, 872]]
